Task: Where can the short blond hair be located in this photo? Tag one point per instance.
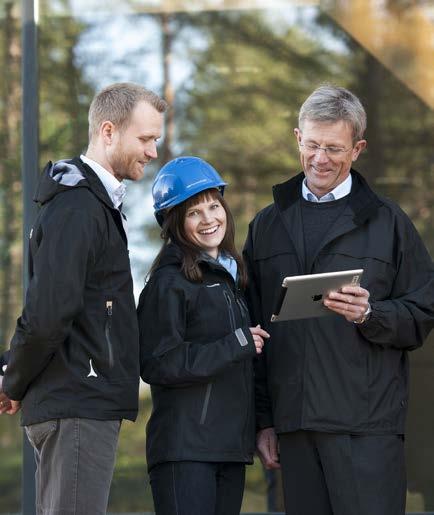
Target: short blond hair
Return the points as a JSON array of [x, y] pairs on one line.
[[116, 103]]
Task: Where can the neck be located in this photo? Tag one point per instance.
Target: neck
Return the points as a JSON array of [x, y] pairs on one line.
[[96, 154]]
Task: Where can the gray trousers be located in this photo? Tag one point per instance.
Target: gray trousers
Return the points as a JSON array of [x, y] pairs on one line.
[[75, 458]]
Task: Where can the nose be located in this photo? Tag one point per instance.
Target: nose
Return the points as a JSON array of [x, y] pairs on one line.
[[320, 155], [151, 150], [207, 217]]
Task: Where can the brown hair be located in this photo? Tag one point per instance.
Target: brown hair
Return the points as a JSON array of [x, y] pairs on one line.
[[173, 232], [116, 103]]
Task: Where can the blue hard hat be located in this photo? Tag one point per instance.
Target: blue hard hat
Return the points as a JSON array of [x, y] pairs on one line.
[[181, 179]]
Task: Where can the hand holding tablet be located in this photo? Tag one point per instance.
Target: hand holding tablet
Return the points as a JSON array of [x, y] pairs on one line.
[[302, 296]]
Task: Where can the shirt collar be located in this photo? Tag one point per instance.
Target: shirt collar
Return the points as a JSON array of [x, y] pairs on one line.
[[229, 263], [115, 189], [342, 190]]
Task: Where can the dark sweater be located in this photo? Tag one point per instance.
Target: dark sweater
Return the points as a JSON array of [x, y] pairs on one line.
[[318, 218]]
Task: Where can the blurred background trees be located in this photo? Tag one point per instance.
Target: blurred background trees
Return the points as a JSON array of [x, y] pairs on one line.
[[235, 80]]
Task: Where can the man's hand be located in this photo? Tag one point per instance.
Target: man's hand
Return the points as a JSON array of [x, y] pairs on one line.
[[266, 445], [350, 301], [7, 405], [15, 407]]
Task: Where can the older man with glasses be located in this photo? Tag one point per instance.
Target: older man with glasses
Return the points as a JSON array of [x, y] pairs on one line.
[[332, 392]]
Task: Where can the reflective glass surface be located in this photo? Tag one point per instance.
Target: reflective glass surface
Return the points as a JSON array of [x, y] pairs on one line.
[[235, 74]]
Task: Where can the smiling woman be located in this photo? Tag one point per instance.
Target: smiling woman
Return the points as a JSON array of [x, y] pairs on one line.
[[197, 348], [205, 223]]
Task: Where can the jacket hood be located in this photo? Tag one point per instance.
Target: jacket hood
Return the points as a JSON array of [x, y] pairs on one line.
[[58, 177]]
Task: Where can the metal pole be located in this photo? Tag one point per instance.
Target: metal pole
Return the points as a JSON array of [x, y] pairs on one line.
[[30, 165]]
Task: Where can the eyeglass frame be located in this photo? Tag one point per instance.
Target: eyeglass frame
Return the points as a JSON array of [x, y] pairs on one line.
[[329, 151]]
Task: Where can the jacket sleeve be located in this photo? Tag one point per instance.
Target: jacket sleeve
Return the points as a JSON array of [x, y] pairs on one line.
[[166, 358], [405, 319], [60, 260], [4, 358], [264, 416]]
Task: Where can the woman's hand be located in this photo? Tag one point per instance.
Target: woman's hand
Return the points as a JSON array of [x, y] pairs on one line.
[[258, 337]]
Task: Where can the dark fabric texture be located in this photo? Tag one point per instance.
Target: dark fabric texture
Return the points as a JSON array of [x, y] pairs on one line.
[[196, 352], [327, 374], [333, 474], [317, 219], [75, 348], [196, 488], [75, 459]]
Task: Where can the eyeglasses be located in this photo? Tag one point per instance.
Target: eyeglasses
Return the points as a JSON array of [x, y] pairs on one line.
[[313, 148]]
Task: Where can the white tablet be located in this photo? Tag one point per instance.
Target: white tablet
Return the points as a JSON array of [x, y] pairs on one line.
[[302, 295]]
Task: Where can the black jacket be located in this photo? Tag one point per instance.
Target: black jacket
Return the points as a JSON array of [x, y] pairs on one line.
[[196, 352], [75, 348], [327, 374]]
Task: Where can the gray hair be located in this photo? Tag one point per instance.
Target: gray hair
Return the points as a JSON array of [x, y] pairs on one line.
[[332, 104], [116, 103]]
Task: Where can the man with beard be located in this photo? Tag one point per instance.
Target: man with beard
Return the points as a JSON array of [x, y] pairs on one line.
[[73, 364], [332, 392]]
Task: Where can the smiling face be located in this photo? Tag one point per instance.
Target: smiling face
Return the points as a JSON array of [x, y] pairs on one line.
[[324, 172], [205, 225], [132, 148]]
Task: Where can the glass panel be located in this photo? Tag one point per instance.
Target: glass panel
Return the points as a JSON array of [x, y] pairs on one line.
[[235, 74]]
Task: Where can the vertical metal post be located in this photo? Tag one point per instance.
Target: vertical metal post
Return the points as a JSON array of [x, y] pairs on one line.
[[30, 165]]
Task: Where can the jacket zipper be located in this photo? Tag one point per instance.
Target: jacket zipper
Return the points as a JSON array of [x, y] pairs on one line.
[[209, 385], [107, 329], [233, 325], [243, 310], [230, 309]]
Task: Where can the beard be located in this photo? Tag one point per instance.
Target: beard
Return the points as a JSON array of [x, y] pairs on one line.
[[128, 166]]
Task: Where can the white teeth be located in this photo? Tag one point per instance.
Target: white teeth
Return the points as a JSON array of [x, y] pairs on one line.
[[209, 231]]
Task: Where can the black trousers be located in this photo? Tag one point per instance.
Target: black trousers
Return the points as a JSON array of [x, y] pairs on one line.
[[335, 474], [197, 488]]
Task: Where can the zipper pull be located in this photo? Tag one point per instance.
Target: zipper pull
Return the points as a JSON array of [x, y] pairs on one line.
[[109, 307]]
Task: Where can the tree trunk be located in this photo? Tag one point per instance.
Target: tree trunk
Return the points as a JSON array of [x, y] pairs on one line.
[[10, 186], [168, 90]]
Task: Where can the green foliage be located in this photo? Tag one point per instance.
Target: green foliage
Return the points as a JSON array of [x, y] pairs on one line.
[[240, 107], [64, 95]]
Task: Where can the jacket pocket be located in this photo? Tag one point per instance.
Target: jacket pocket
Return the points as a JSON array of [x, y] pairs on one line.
[[205, 404], [38, 433]]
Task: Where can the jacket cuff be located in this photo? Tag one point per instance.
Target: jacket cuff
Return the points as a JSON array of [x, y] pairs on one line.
[[4, 358], [241, 337], [264, 420], [245, 342]]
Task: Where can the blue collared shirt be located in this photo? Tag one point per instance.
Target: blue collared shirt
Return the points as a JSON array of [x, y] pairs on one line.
[[342, 190]]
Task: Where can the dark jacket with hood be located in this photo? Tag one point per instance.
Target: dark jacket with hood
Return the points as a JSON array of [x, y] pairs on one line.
[[196, 352], [327, 374], [75, 348]]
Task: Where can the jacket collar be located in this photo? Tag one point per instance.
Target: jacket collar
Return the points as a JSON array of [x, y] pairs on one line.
[[94, 182], [172, 255], [362, 200]]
